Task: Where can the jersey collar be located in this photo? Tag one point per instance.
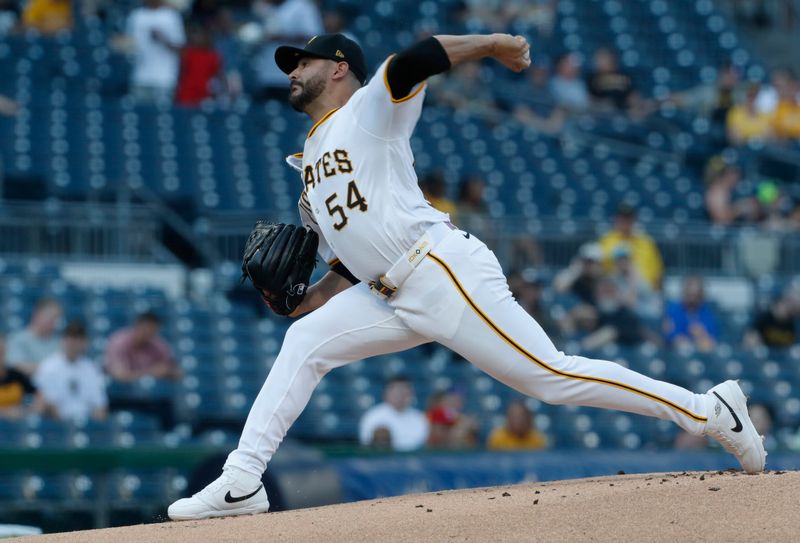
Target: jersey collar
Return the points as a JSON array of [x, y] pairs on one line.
[[322, 120]]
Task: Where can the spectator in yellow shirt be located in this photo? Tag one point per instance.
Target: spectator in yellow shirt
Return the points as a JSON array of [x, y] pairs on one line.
[[786, 119], [518, 432], [644, 253], [745, 122], [48, 16]]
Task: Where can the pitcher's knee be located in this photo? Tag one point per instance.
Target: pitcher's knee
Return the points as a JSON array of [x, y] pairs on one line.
[[545, 381]]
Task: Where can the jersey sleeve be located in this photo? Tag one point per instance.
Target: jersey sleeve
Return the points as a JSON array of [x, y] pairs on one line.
[[382, 116]]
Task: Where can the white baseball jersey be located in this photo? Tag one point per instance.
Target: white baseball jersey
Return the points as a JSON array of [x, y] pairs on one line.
[[361, 192]]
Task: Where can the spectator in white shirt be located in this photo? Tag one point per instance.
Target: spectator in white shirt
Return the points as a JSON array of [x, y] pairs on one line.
[[767, 98], [286, 22], [408, 427], [72, 386], [29, 346], [157, 33], [567, 86]]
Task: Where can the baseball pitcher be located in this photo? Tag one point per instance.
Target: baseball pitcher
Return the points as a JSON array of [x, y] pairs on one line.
[[402, 274]]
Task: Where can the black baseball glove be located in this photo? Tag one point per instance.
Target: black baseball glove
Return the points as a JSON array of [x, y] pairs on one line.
[[279, 259]]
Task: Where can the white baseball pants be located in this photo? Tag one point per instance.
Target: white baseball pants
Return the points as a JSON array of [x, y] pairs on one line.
[[457, 296]]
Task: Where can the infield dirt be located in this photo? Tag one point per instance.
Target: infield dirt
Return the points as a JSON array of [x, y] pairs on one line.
[[668, 507]]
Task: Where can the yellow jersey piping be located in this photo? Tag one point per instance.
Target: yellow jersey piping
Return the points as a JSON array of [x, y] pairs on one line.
[[322, 120]]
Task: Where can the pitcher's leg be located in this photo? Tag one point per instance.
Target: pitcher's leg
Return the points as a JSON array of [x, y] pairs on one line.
[[353, 325], [499, 337]]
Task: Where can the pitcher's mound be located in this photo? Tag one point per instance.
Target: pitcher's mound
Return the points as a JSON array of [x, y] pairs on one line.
[[689, 506]]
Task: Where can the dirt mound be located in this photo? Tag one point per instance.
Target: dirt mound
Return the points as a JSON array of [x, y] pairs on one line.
[[689, 506]]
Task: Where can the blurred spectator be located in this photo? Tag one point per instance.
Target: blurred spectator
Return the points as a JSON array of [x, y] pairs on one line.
[[644, 252], [692, 321], [284, 22], [381, 439], [537, 14], [334, 22], [518, 432], [449, 426], [157, 35], [753, 12], [538, 107], [635, 293], [227, 44], [486, 13], [608, 86], [720, 204], [767, 100], [767, 14], [581, 276], [580, 279], [9, 17], [745, 123], [205, 13], [713, 99], [538, 79], [524, 252], [615, 323], [200, 65], [463, 89], [407, 426], [793, 220], [535, 105], [94, 8], [435, 191], [139, 350], [500, 15], [567, 87], [786, 118], [774, 205], [777, 326], [471, 209], [527, 287], [48, 16], [14, 385], [72, 386], [29, 346], [8, 107]]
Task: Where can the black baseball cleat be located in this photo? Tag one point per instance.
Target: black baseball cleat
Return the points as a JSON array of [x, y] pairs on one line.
[[729, 423]]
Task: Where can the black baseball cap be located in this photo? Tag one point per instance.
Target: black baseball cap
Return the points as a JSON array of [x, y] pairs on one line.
[[336, 47]]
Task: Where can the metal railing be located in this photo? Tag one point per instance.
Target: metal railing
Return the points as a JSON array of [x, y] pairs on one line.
[[692, 247], [81, 231]]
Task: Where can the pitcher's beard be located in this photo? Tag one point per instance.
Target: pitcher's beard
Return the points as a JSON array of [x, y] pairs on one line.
[[309, 91]]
